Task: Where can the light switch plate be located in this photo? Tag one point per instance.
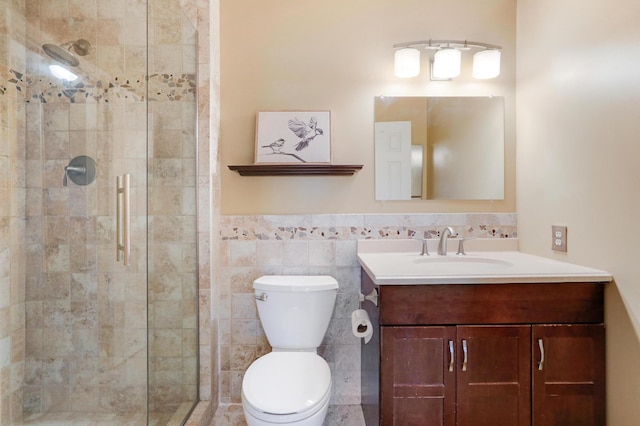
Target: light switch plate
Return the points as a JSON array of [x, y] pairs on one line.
[[559, 238]]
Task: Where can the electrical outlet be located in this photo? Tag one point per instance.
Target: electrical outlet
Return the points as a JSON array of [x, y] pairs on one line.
[[559, 238]]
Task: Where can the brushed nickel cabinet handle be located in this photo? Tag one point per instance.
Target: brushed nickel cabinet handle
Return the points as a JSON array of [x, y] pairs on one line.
[[465, 352], [452, 358], [541, 346]]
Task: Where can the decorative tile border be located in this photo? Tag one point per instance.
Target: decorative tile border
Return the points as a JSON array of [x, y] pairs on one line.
[[357, 226], [10, 78], [162, 87]]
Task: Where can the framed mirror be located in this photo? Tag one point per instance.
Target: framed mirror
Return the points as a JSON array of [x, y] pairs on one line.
[[439, 148]]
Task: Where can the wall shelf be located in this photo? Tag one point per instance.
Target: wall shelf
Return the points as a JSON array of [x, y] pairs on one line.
[[296, 169]]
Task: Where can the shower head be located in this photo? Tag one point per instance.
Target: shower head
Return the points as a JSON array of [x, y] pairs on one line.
[[64, 54]]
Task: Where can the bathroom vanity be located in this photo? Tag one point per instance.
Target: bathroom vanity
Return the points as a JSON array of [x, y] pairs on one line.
[[491, 338]]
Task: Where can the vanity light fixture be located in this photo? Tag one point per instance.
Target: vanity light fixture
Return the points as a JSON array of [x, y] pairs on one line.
[[445, 64]]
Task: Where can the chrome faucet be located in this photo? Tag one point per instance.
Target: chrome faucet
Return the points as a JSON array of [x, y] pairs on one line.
[[442, 245]]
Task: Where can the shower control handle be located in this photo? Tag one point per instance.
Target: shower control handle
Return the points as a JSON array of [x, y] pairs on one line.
[[81, 170]]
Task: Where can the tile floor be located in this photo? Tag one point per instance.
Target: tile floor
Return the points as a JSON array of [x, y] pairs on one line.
[[85, 419], [338, 415], [105, 419]]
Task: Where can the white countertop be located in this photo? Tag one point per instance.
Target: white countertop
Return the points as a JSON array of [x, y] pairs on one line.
[[489, 261]]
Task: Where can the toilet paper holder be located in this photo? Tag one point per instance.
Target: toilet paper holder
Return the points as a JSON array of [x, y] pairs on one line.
[[372, 297]]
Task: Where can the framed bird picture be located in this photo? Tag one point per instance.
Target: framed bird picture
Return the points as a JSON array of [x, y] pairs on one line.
[[299, 137]]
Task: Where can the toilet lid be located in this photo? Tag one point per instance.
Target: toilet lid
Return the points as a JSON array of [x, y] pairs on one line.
[[286, 382]]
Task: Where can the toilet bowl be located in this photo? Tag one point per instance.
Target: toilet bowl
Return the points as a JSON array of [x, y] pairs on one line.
[[292, 384], [287, 388]]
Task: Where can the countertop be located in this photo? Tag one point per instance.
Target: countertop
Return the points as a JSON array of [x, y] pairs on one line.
[[398, 262]]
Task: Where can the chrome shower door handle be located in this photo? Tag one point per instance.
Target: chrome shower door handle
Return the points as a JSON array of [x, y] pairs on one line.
[[127, 219], [119, 193], [123, 218]]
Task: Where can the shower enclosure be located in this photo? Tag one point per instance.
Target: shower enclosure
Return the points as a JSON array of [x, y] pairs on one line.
[[98, 261]]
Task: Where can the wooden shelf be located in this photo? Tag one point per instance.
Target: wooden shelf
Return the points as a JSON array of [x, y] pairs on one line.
[[296, 169]]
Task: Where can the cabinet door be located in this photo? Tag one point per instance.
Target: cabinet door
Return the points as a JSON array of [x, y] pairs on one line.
[[494, 375], [417, 385], [569, 375]]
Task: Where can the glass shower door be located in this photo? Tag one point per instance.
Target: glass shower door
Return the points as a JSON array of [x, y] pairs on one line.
[[95, 91], [108, 341], [86, 312]]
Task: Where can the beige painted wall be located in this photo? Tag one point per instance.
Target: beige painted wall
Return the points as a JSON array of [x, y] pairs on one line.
[[578, 126], [338, 55]]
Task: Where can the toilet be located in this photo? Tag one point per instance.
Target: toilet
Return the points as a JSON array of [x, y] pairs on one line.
[[291, 384]]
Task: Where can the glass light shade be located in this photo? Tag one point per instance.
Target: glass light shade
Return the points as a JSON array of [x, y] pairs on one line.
[[62, 73], [407, 63], [486, 64], [446, 63]]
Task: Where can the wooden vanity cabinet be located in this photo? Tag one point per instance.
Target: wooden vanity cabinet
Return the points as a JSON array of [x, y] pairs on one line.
[[414, 370], [426, 379], [569, 388]]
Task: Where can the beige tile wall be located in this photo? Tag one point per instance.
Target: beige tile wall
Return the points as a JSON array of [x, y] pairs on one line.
[[173, 366], [86, 315], [204, 13], [71, 282], [12, 211]]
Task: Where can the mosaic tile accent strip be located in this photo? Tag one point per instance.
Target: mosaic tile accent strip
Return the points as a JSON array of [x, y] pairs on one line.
[[162, 87], [356, 227], [10, 78]]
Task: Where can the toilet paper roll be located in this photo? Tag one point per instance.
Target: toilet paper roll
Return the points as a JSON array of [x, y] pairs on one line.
[[361, 324]]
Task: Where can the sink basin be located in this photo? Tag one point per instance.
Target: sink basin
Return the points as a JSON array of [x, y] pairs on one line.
[[460, 264], [462, 260], [398, 262]]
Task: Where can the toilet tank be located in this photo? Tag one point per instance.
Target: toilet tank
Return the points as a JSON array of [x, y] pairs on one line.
[[295, 310]]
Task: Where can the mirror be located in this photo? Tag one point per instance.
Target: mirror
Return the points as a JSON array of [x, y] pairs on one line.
[[439, 148]]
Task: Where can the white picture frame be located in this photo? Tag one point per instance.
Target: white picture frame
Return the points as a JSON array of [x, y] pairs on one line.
[[293, 137]]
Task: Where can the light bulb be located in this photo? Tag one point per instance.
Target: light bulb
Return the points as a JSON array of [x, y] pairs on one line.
[[446, 63], [407, 63], [486, 64]]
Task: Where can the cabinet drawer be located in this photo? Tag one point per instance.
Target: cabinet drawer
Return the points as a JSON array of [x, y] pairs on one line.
[[492, 304]]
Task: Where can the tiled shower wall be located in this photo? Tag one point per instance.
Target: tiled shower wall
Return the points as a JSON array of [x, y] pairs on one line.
[[12, 213], [120, 52], [252, 246], [87, 316], [120, 25], [84, 353], [173, 279]]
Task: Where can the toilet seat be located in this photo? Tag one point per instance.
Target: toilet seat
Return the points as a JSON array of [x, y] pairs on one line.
[[286, 386]]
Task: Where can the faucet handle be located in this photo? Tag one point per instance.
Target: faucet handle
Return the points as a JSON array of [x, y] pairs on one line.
[[461, 241], [425, 249]]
